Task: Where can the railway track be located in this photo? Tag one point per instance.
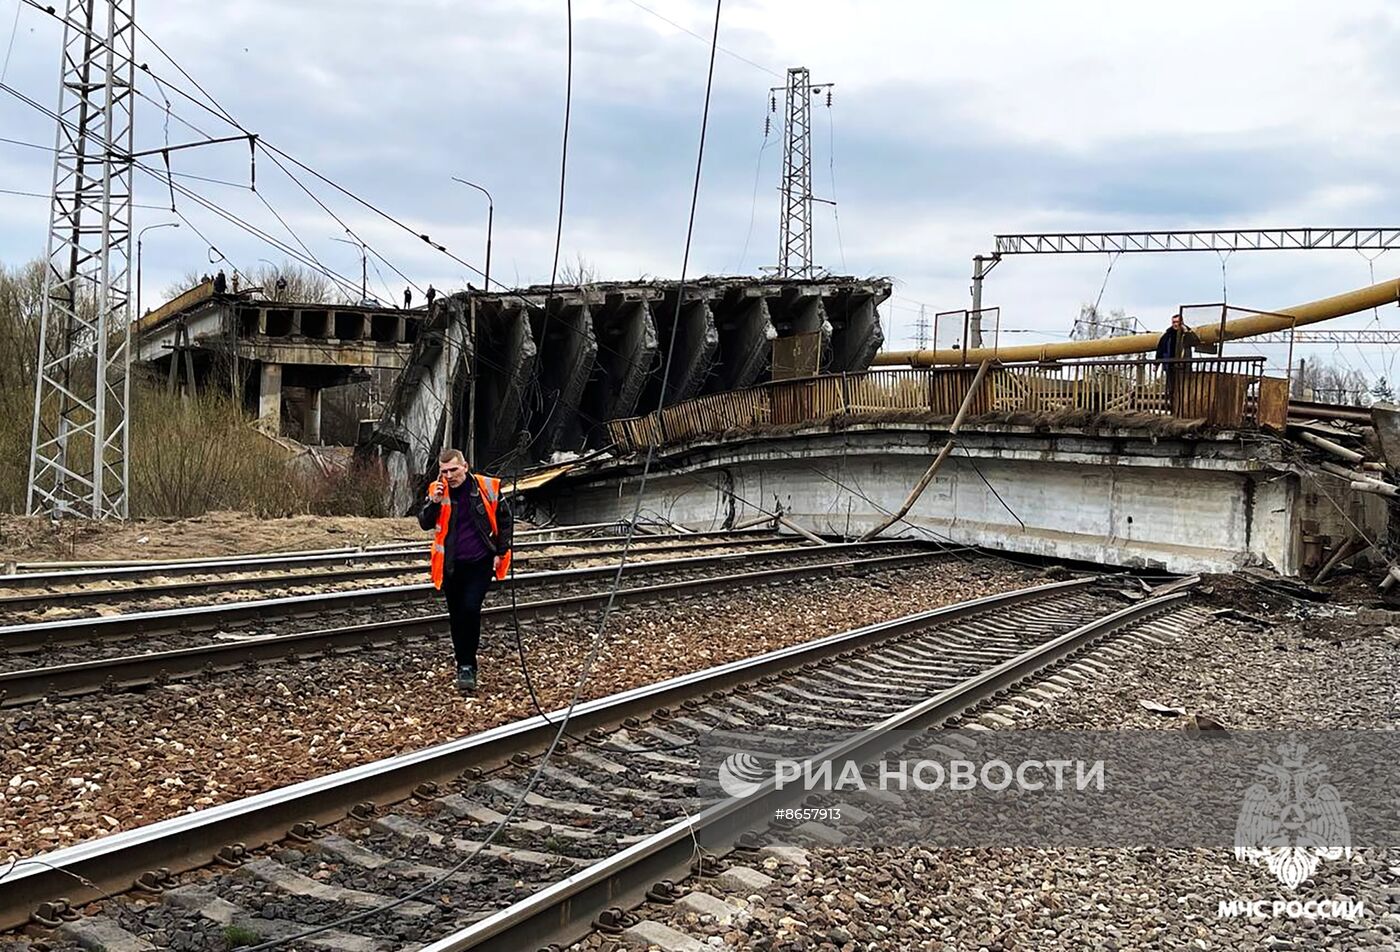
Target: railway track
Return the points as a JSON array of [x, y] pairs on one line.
[[607, 819], [99, 641], [74, 588]]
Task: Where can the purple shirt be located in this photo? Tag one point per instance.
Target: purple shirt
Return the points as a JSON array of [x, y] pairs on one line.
[[468, 545]]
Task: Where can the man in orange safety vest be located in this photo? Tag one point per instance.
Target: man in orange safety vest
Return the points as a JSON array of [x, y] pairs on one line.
[[471, 546]]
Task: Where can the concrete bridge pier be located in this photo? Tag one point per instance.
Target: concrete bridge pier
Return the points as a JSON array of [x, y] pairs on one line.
[[311, 417], [270, 396]]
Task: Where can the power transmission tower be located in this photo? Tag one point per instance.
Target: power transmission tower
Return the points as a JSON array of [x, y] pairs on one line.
[[79, 443], [921, 328], [795, 226]]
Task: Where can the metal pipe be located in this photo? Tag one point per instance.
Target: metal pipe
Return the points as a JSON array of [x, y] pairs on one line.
[[1386, 292], [1336, 449]]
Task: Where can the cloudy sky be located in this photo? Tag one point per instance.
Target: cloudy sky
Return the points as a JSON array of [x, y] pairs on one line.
[[950, 123]]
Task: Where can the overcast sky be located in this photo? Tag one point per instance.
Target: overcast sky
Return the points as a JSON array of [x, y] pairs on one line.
[[950, 123]]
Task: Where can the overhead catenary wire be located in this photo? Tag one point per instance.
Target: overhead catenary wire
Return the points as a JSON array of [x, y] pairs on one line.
[[831, 169], [273, 152], [10, 47], [597, 640]]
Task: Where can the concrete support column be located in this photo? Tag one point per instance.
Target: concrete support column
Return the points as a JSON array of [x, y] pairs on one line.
[[270, 397], [311, 423]]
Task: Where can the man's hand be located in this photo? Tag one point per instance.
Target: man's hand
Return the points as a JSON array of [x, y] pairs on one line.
[[435, 492], [495, 565]]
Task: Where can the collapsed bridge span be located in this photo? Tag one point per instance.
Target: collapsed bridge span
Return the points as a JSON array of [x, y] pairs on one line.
[[554, 366]]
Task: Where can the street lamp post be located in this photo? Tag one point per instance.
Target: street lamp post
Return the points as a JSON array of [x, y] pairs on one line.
[[364, 264], [486, 284], [139, 235]]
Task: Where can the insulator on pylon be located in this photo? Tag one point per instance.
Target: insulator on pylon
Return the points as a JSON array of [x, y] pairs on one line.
[[772, 103], [828, 99], [767, 126]]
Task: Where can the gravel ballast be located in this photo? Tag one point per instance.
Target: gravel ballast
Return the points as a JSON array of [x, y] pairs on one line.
[[101, 764], [1326, 672]]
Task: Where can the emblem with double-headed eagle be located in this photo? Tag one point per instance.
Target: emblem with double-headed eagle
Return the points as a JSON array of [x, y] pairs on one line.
[[1293, 821]]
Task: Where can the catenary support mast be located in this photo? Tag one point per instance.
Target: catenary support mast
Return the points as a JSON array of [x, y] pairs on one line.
[[80, 437]]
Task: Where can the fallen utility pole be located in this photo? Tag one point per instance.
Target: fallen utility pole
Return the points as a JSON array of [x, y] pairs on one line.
[[927, 478], [1336, 449]]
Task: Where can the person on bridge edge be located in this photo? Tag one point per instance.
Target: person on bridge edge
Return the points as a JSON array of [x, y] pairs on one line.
[[220, 282], [407, 298], [1174, 350], [474, 530]]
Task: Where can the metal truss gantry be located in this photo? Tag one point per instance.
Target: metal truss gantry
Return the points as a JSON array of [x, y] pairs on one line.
[[80, 437], [795, 226], [1257, 239], [1374, 335], [1157, 242]]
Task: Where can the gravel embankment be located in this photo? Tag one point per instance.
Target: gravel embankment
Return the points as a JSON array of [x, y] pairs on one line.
[[96, 765], [1323, 672]]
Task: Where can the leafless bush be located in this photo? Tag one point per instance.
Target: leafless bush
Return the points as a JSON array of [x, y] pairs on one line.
[[192, 456], [362, 489]]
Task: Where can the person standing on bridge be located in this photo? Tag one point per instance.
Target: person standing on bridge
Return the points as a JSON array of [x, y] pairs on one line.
[[220, 282], [407, 298], [1174, 350], [474, 530]]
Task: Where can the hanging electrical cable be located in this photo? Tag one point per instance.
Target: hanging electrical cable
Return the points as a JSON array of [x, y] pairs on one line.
[[597, 640]]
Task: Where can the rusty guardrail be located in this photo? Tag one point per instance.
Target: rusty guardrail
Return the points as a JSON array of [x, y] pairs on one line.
[[1226, 392]]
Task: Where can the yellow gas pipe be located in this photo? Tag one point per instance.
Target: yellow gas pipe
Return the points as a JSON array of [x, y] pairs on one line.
[[1387, 292]]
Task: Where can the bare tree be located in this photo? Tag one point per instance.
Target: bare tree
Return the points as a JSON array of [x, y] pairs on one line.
[[1328, 383], [294, 282], [288, 281], [1093, 323], [579, 273]]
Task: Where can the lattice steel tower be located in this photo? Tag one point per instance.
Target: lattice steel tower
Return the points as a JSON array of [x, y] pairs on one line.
[[795, 226], [80, 437]]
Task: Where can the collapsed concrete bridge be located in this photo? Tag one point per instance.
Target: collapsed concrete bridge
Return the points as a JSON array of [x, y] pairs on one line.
[[554, 367]]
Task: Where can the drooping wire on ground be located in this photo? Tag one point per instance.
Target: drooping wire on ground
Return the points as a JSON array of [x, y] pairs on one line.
[[597, 641]]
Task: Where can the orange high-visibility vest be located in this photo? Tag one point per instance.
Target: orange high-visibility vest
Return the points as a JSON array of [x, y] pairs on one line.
[[490, 489]]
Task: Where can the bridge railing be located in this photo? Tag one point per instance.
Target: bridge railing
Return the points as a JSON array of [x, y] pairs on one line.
[[1224, 392]]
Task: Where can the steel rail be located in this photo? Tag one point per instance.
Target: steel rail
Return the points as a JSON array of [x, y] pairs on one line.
[[336, 573], [192, 840], [552, 534], [204, 617], [129, 671], [285, 560], [563, 913]]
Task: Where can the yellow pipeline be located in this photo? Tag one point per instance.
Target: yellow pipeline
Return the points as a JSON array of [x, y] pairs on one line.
[[1387, 292]]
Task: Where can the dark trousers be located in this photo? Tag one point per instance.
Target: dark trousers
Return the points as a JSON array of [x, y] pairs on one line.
[[465, 589]]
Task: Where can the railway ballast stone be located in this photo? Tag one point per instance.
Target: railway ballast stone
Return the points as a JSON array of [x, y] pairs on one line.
[[100, 934], [653, 935]]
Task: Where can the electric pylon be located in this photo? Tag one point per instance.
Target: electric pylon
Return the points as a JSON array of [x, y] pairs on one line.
[[795, 226], [80, 438]]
